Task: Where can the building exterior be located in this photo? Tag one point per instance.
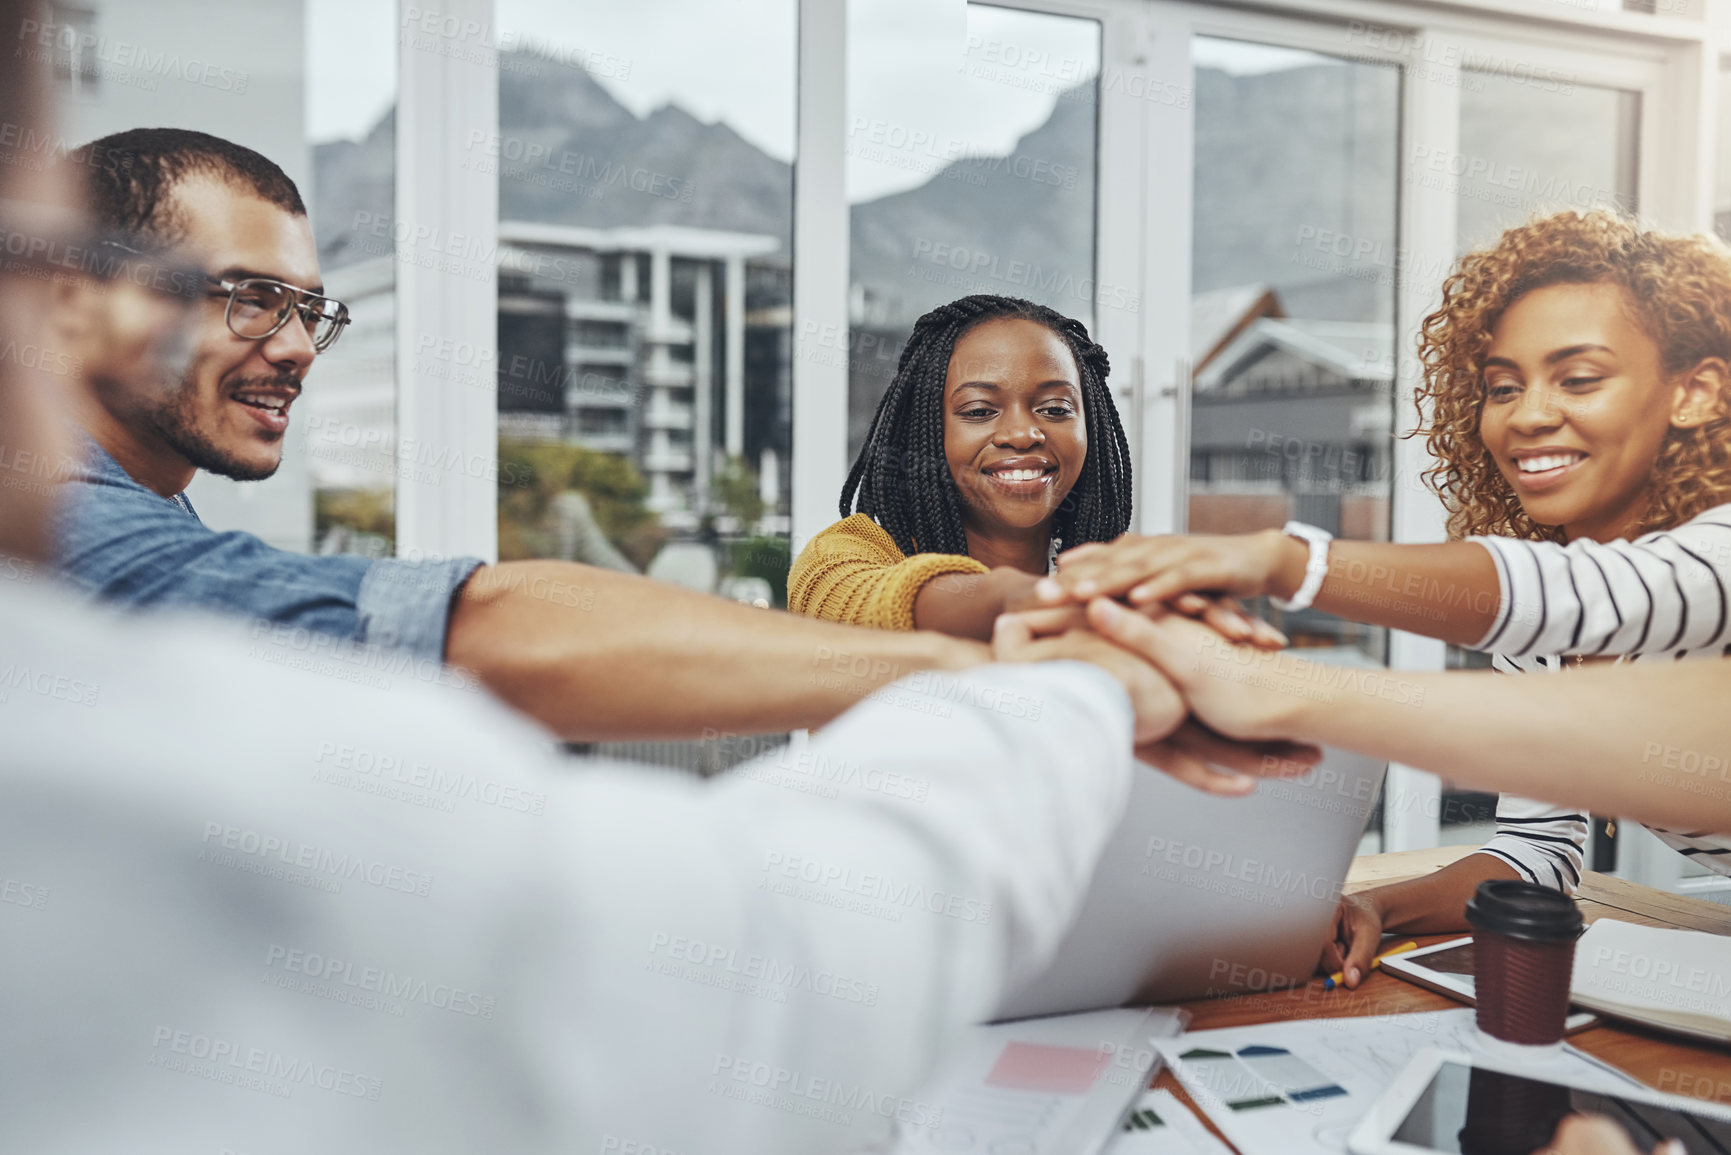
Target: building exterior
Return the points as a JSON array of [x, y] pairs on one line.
[[1290, 418], [646, 341], [668, 346]]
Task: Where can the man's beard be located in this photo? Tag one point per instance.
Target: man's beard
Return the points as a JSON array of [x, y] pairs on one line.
[[175, 419]]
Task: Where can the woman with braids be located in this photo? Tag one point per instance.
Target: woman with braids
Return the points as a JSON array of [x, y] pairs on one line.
[[1577, 398], [996, 444]]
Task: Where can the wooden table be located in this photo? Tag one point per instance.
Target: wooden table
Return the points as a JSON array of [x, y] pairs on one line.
[[1665, 1062]]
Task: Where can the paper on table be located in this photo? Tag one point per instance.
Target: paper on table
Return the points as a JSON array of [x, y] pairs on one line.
[[1677, 980], [1160, 1125], [1051, 1086], [1299, 1088]]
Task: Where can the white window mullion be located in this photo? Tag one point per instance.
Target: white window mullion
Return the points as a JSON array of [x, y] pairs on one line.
[[820, 279], [1120, 297], [447, 230], [1412, 810], [1168, 181]]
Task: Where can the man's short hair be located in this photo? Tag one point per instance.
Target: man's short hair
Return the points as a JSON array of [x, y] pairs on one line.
[[130, 177]]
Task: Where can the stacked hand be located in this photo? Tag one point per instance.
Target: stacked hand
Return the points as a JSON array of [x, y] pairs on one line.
[[1210, 690], [1146, 571], [1199, 718]]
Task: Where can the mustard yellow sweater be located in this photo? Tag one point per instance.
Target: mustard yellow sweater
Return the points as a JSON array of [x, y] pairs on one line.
[[852, 572]]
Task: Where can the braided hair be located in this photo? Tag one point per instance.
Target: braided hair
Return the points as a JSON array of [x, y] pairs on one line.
[[902, 478]]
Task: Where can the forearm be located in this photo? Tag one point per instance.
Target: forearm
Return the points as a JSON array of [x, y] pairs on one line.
[[598, 655], [965, 605], [1448, 590], [1436, 903], [1645, 742]]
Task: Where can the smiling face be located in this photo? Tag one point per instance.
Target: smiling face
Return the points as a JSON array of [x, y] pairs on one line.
[[229, 410], [1576, 407], [1014, 434]]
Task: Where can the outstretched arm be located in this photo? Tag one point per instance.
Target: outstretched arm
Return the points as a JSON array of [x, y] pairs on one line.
[[599, 655], [1598, 739], [1664, 591], [1449, 590], [853, 572]]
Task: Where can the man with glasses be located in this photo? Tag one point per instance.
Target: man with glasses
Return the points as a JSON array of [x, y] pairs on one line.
[[590, 653]]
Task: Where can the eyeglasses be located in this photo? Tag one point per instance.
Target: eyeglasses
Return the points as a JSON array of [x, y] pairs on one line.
[[258, 307]]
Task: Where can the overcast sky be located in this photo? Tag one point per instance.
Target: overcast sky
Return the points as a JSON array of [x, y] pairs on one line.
[[962, 77]]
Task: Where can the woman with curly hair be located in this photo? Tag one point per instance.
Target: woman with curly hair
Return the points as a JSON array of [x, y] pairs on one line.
[[996, 444], [1577, 399]]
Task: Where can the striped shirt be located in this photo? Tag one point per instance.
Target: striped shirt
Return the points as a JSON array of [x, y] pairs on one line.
[[1660, 597]]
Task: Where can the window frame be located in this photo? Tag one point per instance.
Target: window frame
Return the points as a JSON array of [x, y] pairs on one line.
[[1145, 157]]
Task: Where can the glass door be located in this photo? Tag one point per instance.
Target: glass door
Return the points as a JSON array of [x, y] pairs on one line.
[[1304, 206]]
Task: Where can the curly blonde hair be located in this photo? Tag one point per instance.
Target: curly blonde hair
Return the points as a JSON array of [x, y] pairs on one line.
[[1678, 289]]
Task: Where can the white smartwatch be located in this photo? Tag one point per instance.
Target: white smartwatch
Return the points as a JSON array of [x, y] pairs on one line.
[[1315, 569]]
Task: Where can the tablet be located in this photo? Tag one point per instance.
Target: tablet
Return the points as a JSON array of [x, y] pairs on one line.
[[1447, 1102], [1447, 969]]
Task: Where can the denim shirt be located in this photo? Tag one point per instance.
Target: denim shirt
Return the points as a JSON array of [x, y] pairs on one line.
[[129, 545]]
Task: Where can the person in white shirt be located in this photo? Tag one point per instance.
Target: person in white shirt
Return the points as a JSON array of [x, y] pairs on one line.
[[1577, 398], [254, 908]]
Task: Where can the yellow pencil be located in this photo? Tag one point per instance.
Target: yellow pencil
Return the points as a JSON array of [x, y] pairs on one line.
[[1335, 979]]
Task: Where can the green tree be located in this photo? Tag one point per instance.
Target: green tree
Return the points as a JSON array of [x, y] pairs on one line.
[[735, 488], [533, 473]]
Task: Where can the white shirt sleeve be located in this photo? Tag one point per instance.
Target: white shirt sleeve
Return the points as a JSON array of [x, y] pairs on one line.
[[1662, 592], [259, 909], [1543, 842]]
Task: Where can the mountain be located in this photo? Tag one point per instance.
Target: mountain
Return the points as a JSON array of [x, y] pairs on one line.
[[351, 178], [1284, 158], [1020, 225], [569, 153]]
